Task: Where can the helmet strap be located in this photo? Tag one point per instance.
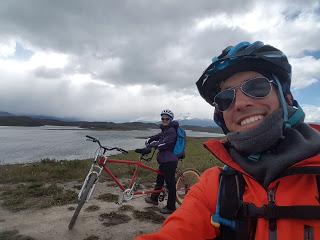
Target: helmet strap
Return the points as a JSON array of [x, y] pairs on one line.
[[282, 101], [297, 116]]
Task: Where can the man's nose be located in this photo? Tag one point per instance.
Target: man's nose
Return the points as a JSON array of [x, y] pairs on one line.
[[242, 101]]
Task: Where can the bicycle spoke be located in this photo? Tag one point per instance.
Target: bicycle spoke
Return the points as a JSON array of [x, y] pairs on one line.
[[184, 182]]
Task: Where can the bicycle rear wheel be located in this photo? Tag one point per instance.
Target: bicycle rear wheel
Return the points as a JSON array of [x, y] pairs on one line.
[[92, 179], [185, 180]]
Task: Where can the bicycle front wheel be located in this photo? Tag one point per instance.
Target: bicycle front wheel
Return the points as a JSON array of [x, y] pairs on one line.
[[88, 186], [185, 180]]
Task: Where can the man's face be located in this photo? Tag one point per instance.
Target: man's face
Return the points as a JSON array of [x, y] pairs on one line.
[[246, 112]]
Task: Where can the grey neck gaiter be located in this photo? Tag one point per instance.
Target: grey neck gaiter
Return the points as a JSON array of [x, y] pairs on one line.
[[261, 138], [299, 143]]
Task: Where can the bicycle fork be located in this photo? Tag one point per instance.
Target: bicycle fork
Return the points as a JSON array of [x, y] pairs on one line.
[[95, 172]]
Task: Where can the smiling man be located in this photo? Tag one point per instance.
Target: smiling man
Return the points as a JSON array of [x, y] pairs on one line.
[[269, 187], [247, 112]]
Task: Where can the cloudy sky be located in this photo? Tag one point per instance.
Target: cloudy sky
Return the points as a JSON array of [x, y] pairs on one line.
[[127, 60]]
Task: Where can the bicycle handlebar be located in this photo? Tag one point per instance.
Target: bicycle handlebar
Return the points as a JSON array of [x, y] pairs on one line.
[[144, 153], [105, 148]]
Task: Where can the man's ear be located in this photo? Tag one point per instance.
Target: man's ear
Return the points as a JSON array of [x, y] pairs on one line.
[[289, 99]]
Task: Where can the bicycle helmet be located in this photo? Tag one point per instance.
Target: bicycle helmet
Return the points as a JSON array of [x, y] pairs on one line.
[[257, 57], [168, 113]]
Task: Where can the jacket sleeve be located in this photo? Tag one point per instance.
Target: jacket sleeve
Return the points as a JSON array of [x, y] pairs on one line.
[[154, 138], [193, 219], [169, 139]]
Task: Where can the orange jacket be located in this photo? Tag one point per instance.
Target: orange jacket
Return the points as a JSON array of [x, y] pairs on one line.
[[192, 219]]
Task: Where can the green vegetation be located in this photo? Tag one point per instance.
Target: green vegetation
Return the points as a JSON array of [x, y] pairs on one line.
[[11, 120], [148, 216], [52, 171], [92, 237], [203, 129], [113, 218], [40, 185], [126, 208], [45, 171], [35, 196], [19, 121], [13, 235], [197, 157], [108, 197], [92, 208], [32, 122], [118, 126]]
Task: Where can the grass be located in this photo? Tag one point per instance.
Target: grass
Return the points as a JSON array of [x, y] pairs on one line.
[[44, 171], [13, 235], [92, 237], [108, 197], [92, 208], [113, 218], [126, 208], [35, 196], [197, 157], [54, 171], [148, 216], [37, 185]]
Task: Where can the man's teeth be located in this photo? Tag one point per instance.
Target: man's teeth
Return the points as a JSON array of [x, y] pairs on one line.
[[251, 119]]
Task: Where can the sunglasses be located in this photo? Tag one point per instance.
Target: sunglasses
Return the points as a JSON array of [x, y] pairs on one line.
[[256, 88], [165, 119]]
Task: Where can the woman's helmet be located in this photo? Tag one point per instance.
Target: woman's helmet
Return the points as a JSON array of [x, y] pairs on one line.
[[264, 59], [168, 113]]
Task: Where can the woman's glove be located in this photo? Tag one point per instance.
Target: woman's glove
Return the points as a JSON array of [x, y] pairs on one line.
[[154, 144], [147, 142]]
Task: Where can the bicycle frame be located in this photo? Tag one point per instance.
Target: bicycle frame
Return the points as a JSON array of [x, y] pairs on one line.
[[100, 164], [138, 164]]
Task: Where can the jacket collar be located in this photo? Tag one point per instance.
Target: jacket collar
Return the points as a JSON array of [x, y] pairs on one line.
[[217, 148]]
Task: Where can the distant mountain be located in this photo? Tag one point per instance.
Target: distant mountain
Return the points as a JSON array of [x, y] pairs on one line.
[[19, 121], [47, 117], [32, 121], [118, 126], [5, 114], [203, 129], [8, 119], [197, 122]]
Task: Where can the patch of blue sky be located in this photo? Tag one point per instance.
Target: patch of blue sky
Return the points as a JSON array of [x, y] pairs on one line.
[[291, 14], [315, 54], [22, 53], [309, 95]]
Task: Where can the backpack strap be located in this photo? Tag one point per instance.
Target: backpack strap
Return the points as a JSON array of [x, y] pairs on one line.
[[237, 220], [229, 201], [279, 212], [301, 170]]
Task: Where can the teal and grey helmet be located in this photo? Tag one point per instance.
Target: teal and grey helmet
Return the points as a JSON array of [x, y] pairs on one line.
[[258, 57]]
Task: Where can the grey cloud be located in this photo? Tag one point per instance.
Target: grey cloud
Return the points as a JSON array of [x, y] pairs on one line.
[[51, 73], [137, 32], [123, 43]]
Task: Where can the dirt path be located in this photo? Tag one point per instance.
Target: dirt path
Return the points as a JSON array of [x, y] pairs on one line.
[[52, 223]]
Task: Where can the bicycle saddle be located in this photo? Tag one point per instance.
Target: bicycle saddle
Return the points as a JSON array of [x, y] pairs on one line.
[[143, 151]]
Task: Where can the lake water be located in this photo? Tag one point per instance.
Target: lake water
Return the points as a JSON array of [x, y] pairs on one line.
[[31, 144]]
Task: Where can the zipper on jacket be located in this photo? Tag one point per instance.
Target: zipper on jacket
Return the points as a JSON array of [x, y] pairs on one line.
[[271, 193], [308, 233]]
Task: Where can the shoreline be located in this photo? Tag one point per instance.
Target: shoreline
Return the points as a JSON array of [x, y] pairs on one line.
[[38, 199], [86, 158]]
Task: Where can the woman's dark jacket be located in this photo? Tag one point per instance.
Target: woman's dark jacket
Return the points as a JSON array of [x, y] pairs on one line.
[[166, 142]]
